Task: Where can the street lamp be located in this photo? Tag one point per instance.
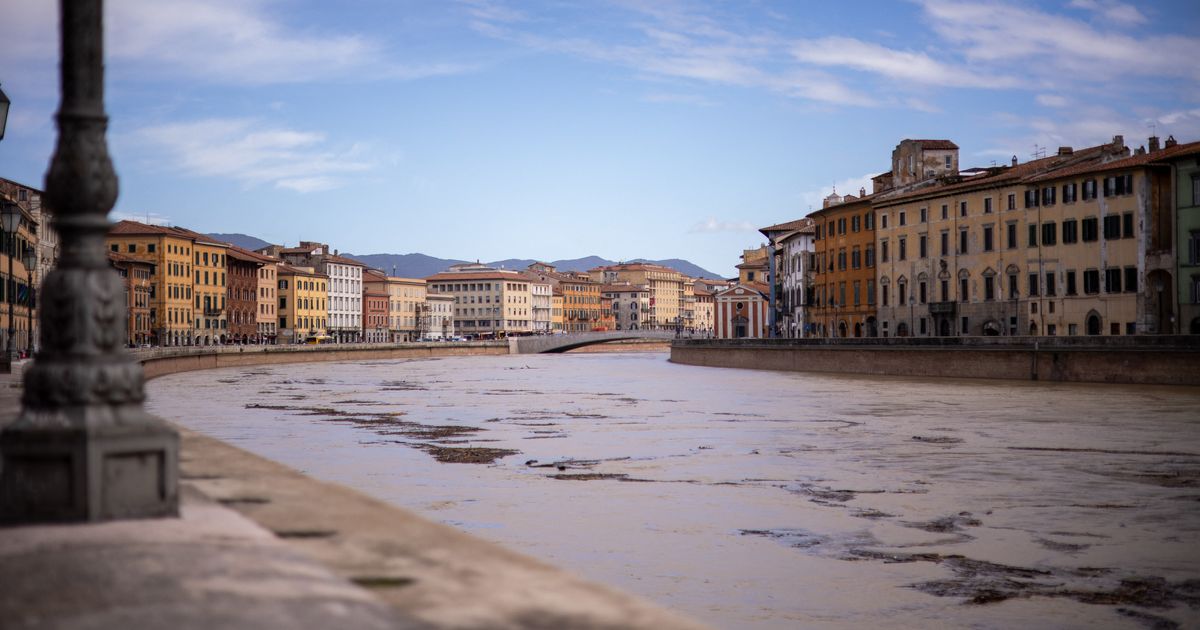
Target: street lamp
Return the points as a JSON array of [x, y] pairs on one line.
[[912, 301], [4, 104], [30, 259], [10, 220]]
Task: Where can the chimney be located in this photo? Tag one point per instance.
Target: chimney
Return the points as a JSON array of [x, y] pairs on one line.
[[862, 192], [1014, 160], [1153, 143], [1065, 150], [1139, 151], [1119, 141], [1171, 142], [335, 252]]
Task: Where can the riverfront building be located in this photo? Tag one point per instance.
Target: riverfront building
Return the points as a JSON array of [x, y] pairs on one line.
[[666, 290], [488, 303], [581, 296], [440, 309], [244, 269], [792, 246], [741, 311], [171, 251], [1184, 169], [843, 268], [630, 304], [137, 276], [303, 307], [267, 313], [345, 285]]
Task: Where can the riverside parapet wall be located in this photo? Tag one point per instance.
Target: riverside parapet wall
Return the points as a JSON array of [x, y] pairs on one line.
[[1158, 360]]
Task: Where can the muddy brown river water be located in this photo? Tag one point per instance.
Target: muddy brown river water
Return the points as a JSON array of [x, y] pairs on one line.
[[753, 499]]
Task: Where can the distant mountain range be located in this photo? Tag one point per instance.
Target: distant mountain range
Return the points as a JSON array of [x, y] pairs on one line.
[[420, 265]]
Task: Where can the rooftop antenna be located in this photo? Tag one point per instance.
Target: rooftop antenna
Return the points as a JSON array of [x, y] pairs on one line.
[[1038, 151], [1153, 127]]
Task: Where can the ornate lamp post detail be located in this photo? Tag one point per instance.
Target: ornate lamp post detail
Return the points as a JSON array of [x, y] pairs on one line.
[[30, 259], [83, 448]]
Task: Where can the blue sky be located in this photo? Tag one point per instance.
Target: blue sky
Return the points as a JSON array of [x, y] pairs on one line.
[[491, 129]]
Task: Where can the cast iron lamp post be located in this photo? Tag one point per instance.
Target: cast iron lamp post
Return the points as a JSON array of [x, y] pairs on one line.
[[83, 447], [10, 219], [4, 105], [30, 259]]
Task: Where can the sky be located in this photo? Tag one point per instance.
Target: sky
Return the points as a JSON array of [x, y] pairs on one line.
[[489, 129]]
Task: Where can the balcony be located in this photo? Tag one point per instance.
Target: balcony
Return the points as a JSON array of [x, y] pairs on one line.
[[211, 312], [943, 308]]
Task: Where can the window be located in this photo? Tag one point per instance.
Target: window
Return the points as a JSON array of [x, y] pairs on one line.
[[1193, 253], [1127, 225], [902, 255], [856, 259], [989, 288], [1051, 285], [855, 223], [903, 218], [1033, 239], [870, 292], [1070, 275], [870, 256], [1012, 286], [1090, 227], [1049, 233], [962, 208], [1131, 279], [1048, 195], [945, 285], [884, 293], [964, 289], [903, 294], [131, 248], [1012, 201], [987, 205], [945, 211], [1033, 288], [987, 238], [946, 244], [1089, 189], [869, 220], [948, 158], [150, 247], [923, 244], [1112, 227], [857, 292], [923, 292], [115, 247], [1069, 192], [962, 242], [883, 220], [1011, 235], [883, 251], [1070, 232], [924, 215], [1196, 189], [1031, 198], [1112, 280]]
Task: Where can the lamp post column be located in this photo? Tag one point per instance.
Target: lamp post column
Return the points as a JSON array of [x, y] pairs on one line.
[[83, 447], [10, 346]]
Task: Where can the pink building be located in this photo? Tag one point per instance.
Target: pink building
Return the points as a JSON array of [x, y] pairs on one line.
[[741, 311]]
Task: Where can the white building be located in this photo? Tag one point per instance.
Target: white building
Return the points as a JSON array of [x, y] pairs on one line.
[[345, 286], [542, 301], [792, 244], [440, 309]]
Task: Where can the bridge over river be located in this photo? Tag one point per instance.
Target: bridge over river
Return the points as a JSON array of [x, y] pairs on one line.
[[561, 343]]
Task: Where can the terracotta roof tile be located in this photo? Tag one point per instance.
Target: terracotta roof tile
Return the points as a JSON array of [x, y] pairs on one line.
[[1116, 165]]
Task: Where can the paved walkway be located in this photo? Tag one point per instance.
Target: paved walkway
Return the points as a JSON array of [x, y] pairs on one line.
[[341, 560]]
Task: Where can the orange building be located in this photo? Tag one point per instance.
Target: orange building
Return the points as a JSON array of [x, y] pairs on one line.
[[843, 271]]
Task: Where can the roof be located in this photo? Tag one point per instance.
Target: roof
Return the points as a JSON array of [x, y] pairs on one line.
[[640, 266], [1132, 161], [374, 275], [341, 260], [791, 226], [848, 202], [126, 258], [757, 287], [624, 288], [288, 270], [495, 274], [935, 145], [134, 227], [1002, 176], [238, 253]]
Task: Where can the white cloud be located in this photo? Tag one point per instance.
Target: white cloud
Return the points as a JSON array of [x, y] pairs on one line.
[[895, 64], [1112, 10], [1052, 100], [669, 97], [711, 225], [220, 41], [243, 150], [1063, 47]]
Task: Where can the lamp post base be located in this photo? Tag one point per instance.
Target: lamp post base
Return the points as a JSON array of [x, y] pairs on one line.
[[122, 464]]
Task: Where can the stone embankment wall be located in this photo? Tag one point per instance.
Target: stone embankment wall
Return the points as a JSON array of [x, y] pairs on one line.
[[160, 361], [1160, 360]]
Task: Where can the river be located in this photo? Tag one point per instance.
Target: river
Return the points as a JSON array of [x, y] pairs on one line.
[[755, 499]]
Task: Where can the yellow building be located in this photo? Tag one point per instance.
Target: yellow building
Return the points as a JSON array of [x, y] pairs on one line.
[[267, 313], [303, 312], [171, 250], [1054, 246], [556, 310], [18, 290], [209, 289], [666, 290]]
